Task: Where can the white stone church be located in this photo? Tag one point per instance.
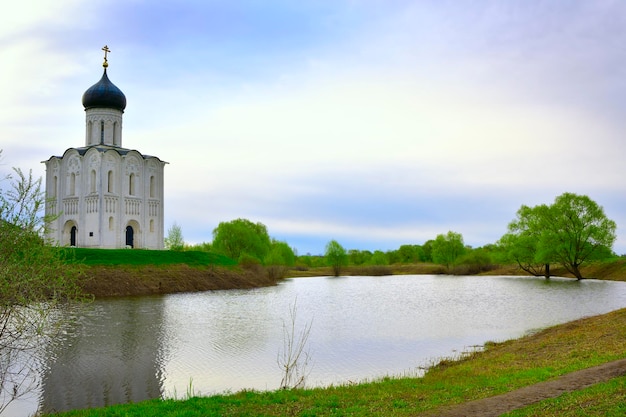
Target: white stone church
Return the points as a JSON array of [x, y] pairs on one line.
[[105, 195]]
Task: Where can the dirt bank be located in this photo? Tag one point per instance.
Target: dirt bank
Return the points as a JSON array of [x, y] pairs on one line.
[[108, 281], [126, 280]]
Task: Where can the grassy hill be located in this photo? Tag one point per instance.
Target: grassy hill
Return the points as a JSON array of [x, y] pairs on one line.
[[136, 257]]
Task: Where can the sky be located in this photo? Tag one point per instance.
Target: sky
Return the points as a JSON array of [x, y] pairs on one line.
[[376, 123]]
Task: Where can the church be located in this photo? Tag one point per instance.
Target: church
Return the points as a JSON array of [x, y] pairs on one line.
[[103, 195]]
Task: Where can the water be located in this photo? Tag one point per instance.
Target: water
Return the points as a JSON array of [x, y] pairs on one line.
[[131, 349]]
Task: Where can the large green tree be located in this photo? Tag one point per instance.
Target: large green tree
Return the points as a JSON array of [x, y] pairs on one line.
[[241, 237], [576, 231], [336, 256], [571, 231], [34, 281], [447, 248]]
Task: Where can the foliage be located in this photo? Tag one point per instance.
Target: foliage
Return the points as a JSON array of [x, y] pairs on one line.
[[571, 231], [280, 254], [241, 236], [174, 239], [410, 254], [447, 248], [336, 256], [311, 261], [204, 247], [34, 280], [576, 231], [378, 258], [474, 261], [359, 257], [427, 248]]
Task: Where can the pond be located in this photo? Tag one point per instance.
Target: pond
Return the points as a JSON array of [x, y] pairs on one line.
[[362, 328]]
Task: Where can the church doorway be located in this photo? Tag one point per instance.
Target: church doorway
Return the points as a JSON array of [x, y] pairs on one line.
[[130, 236], [73, 231]]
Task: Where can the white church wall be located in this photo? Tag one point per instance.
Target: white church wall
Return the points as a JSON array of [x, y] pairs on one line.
[[99, 190]]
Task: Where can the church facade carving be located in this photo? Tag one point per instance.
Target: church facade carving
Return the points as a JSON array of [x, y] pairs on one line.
[[103, 195]]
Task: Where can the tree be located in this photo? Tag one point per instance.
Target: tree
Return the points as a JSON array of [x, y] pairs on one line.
[[410, 254], [280, 253], [174, 239], [359, 257], [521, 242], [571, 231], [241, 237], [335, 256], [34, 281], [575, 231], [447, 248], [427, 250], [379, 258], [278, 259]]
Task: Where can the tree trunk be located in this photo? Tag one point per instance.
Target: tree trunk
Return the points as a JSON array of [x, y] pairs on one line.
[[547, 271], [576, 272]]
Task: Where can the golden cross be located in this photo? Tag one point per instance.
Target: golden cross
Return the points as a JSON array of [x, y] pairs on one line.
[[106, 50]]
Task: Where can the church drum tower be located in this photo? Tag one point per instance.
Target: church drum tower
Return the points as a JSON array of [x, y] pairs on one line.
[[102, 195]]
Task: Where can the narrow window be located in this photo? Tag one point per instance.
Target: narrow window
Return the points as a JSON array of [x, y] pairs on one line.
[[54, 186], [110, 182], [131, 184], [111, 223], [90, 132], [151, 225], [101, 132], [115, 135], [72, 184], [93, 180], [152, 186]]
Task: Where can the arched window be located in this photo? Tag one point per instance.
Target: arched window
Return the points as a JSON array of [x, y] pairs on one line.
[[90, 132], [131, 184], [151, 225], [152, 186], [111, 223], [110, 182], [101, 131], [115, 135], [93, 180], [55, 181], [72, 184]]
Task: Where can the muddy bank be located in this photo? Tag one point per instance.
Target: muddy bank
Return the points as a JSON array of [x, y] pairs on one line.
[[126, 280], [110, 281]]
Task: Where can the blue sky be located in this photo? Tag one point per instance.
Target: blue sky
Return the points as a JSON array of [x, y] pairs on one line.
[[375, 123]]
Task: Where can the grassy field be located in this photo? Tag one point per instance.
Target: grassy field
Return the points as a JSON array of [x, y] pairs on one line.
[[500, 368], [131, 257]]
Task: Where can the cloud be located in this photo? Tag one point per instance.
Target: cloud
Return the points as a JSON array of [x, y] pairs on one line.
[[371, 121]]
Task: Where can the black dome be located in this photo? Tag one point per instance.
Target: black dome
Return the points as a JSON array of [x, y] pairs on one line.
[[104, 94]]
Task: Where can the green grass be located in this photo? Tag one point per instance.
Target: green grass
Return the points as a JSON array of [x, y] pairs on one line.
[[139, 257], [500, 368]]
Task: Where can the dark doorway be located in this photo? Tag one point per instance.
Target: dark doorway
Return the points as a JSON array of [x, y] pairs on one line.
[[73, 236], [129, 236]]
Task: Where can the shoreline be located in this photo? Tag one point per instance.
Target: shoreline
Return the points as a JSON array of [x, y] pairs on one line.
[[128, 280]]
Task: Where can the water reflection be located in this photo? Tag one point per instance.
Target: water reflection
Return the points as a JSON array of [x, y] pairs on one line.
[[110, 355], [123, 350]]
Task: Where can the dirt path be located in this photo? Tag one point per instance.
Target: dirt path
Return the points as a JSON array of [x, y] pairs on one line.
[[500, 404]]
